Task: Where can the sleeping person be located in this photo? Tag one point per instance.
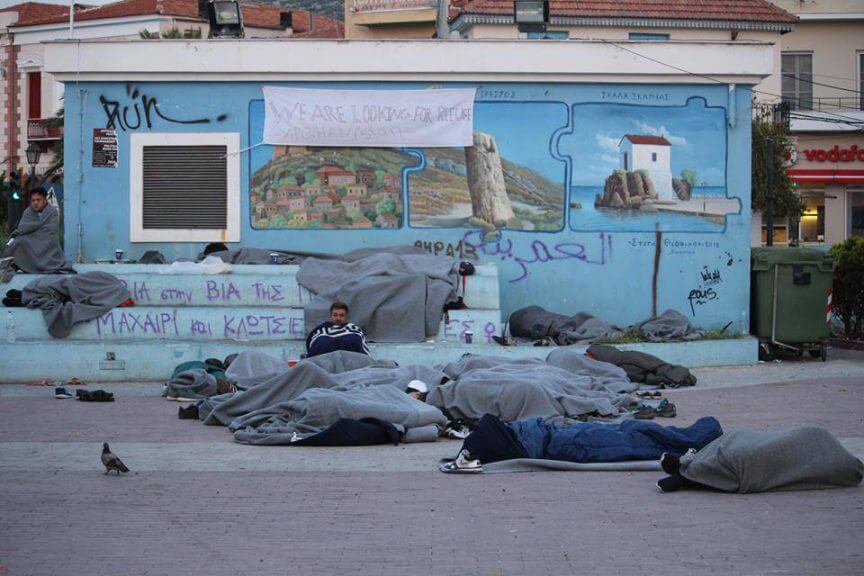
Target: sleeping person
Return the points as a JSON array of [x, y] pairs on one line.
[[584, 442]]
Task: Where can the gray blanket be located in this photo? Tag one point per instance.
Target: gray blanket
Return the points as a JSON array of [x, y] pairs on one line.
[[68, 300], [535, 322], [191, 385], [519, 389], [282, 256], [392, 297], [35, 246], [747, 461], [668, 326], [337, 370], [318, 408]]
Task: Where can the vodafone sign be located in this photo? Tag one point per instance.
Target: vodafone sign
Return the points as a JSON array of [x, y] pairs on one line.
[[835, 154]]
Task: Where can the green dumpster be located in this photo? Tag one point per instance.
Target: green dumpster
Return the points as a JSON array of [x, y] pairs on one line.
[[790, 298]]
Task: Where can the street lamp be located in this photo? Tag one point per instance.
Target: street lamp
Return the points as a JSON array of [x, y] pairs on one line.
[[531, 15], [33, 152], [226, 21]]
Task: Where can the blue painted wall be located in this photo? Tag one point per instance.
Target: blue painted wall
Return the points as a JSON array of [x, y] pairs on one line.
[[595, 259]]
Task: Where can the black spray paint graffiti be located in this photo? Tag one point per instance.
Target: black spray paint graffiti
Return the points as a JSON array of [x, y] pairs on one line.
[[140, 110], [699, 297], [539, 252], [710, 277], [459, 250]]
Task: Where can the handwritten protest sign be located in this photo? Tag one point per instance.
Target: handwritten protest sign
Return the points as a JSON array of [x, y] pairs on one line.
[[380, 118]]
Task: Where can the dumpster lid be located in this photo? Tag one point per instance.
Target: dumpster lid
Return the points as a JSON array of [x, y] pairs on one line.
[[778, 255]]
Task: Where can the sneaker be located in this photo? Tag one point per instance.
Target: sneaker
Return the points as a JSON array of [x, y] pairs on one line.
[[644, 412], [670, 463], [456, 432], [61, 393], [666, 409], [188, 412], [671, 483], [463, 464]]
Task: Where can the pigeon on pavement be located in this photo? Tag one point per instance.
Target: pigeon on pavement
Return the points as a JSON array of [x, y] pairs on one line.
[[111, 461]]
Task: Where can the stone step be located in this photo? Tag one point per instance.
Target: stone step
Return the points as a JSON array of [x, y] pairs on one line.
[[247, 285], [141, 361], [242, 324]]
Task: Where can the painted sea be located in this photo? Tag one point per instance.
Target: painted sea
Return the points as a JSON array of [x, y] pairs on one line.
[[591, 219]]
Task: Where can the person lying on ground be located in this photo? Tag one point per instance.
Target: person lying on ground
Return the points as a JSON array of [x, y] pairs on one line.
[[584, 442], [336, 334], [35, 243]]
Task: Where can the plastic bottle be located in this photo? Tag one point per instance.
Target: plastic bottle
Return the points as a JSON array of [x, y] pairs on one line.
[[10, 327], [744, 323]]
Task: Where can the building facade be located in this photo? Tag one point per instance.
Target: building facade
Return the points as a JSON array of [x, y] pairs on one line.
[[556, 113], [31, 98], [823, 83]]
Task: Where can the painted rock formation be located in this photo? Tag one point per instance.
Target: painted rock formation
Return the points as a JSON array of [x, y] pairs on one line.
[[627, 191], [683, 189], [489, 200]]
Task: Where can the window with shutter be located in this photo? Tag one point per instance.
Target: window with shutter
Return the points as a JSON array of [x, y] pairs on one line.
[[185, 187]]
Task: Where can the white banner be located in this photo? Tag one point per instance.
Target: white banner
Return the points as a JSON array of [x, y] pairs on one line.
[[374, 118]]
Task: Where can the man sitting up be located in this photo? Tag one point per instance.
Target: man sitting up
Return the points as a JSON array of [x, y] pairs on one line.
[[337, 334], [35, 243]]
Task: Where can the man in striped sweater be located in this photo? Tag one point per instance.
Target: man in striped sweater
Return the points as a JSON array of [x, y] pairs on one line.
[[336, 334]]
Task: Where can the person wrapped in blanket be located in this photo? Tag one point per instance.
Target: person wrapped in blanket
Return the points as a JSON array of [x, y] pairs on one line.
[[336, 334], [493, 440]]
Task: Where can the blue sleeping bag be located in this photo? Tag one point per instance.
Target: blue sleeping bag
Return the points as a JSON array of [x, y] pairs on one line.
[[627, 440]]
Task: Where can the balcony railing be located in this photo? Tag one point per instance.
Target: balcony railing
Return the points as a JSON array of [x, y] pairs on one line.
[[43, 129], [820, 104]]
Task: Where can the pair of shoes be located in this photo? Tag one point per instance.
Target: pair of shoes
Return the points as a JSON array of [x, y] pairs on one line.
[[649, 394], [670, 463], [666, 409], [94, 396], [462, 464], [644, 412], [61, 393], [188, 412]]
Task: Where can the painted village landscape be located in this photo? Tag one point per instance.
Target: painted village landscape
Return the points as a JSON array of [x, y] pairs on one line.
[[361, 188]]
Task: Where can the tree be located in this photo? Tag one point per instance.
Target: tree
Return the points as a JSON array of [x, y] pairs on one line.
[[848, 297], [786, 200], [690, 177], [386, 207]]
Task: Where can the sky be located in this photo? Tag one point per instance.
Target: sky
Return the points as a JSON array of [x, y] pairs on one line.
[[697, 135]]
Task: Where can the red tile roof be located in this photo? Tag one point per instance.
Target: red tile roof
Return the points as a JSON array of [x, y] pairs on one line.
[[304, 24], [642, 139], [726, 10], [28, 11], [308, 25]]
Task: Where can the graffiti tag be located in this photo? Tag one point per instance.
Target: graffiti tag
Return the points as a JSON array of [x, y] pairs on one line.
[[700, 297], [461, 250], [538, 251], [710, 276], [140, 109]]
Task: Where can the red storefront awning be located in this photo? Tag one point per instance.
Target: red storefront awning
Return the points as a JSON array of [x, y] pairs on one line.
[[826, 176]]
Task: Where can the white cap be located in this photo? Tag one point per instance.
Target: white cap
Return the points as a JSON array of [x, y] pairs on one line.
[[419, 386]]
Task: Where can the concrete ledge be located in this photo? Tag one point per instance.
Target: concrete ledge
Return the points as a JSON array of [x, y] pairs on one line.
[[25, 362], [249, 285], [239, 324]]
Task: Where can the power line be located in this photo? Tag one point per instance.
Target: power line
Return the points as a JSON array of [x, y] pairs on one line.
[[820, 83], [711, 78]]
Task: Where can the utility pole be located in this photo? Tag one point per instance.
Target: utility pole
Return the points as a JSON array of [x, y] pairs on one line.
[[442, 27]]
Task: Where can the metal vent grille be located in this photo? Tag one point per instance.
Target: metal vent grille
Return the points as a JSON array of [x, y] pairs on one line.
[[185, 187]]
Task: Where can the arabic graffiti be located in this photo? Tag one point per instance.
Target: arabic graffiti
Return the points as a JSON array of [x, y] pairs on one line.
[[596, 253], [140, 109]]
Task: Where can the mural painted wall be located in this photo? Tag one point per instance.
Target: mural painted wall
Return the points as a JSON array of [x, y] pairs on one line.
[[597, 190]]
